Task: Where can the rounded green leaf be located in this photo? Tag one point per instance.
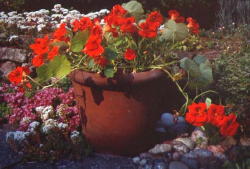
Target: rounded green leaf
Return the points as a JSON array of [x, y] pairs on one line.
[[79, 40], [174, 31], [134, 8]]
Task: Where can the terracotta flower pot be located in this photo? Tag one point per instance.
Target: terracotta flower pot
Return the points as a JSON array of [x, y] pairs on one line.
[[119, 114]]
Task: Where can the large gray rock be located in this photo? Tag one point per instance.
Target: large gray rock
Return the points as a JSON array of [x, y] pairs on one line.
[[177, 165], [13, 54], [6, 67]]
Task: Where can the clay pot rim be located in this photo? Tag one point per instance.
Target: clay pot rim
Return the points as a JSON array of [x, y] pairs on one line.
[[97, 80]]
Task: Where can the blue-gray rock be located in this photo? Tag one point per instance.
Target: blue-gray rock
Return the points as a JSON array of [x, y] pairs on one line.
[[136, 160], [190, 162], [179, 128], [143, 162], [160, 165], [177, 165], [167, 119]]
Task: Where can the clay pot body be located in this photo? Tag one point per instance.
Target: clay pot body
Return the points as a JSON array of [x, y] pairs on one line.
[[119, 114]]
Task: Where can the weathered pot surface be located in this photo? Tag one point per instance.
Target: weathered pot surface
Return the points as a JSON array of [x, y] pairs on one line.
[[119, 114]]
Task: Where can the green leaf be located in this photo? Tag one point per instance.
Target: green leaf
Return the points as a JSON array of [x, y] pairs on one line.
[[79, 40], [174, 31], [208, 102], [206, 72], [110, 54], [109, 72], [134, 8], [91, 63], [190, 66], [58, 68], [199, 59]]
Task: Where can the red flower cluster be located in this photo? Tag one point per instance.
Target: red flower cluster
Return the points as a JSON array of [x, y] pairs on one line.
[[82, 24], [199, 114], [60, 34], [175, 15], [18, 77], [117, 19], [148, 29], [43, 51], [130, 54], [193, 25]]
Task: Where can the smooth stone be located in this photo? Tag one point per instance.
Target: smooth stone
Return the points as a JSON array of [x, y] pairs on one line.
[[200, 138], [160, 148], [13, 54], [136, 160], [167, 119], [177, 165], [143, 162], [245, 141], [180, 147], [202, 153], [179, 128], [160, 165], [148, 166], [7, 67], [190, 162], [187, 141], [180, 119], [176, 155]]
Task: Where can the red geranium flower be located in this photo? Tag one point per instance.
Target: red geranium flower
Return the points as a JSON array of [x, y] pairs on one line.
[[193, 25], [173, 14], [130, 54], [60, 33], [41, 45], [155, 18], [17, 75], [197, 114], [96, 32], [118, 10], [82, 24], [147, 30], [215, 114], [38, 60], [128, 25], [229, 125], [53, 52], [93, 47], [101, 60]]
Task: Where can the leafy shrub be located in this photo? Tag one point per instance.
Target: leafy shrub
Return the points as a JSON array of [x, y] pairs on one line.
[[233, 79]]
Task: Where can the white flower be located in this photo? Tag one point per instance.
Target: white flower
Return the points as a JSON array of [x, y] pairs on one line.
[[49, 125], [25, 120], [16, 137], [75, 137], [62, 126], [33, 126], [46, 112]]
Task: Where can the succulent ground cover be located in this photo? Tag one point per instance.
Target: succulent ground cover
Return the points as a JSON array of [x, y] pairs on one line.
[[47, 116]]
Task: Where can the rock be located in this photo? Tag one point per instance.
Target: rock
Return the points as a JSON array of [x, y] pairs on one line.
[[176, 155], [190, 162], [160, 148], [218, 151], [160, 165], [179, 128], [13, 54], [143, 162], [145, 155], [200, 138], [7, 67], [177, 165], [245, 141], [228, 142], [136, 160], [179, 146], [187, 141], [75, 137], [167, 119]]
